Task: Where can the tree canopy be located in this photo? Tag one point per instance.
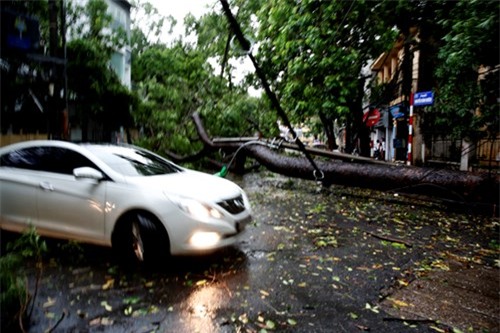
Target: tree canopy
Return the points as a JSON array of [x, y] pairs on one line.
[[467, 72], [315, 52], [175, 80]]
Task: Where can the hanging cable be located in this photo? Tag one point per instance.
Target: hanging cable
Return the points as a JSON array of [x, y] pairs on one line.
[[245, 44], [225, 169]]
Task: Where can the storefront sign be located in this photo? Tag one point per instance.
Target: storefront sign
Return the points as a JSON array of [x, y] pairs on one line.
[[397, 111], [371, 117]]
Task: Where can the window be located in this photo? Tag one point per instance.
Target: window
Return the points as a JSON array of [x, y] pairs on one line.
[[133, 162], [24, 159], [50, 159]]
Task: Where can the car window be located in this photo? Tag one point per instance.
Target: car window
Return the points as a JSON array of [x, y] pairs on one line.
[[50, 159], [28, 158], [130, 161], [61, 160]]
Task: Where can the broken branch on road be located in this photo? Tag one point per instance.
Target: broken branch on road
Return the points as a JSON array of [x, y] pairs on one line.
[[390, 239]]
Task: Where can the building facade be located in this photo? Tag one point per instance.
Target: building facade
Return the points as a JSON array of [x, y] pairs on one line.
[[400, 119], [398, 125]]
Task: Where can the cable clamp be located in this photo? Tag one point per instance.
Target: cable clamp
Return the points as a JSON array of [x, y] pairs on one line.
[[240, 50], [315, 174]]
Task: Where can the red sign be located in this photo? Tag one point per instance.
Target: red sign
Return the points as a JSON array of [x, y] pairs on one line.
[[371, 117]]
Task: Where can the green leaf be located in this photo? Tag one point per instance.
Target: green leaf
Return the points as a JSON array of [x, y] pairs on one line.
[[353, 315], [131, 300], [106, 306], [270, 324]]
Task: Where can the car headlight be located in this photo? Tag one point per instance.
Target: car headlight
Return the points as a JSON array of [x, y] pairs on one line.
[[197, 209]]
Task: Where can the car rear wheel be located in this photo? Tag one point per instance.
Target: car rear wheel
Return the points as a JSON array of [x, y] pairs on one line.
[[141, 240]]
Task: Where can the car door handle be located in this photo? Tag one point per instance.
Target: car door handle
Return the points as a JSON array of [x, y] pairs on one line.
[[47, 186]]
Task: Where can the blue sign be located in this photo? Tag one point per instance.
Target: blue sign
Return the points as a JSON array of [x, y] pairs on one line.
[[423, 98], [397, 111]]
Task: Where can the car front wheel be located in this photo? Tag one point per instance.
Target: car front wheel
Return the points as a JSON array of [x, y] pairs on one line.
[[140, 239]]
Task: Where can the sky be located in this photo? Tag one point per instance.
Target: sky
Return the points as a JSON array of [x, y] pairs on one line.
[[179, 10]]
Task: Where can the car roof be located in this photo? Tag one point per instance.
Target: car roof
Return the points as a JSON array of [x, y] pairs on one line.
[[78, 147], [59, 143]]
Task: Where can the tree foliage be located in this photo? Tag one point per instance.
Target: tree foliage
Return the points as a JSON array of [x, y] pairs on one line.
[[467, 100], [148, 25], [178, 79], [315, 51], [171, 83], [93, 22], [16, 300], [175, 81]]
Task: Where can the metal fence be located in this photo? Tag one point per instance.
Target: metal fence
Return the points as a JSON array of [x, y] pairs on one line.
[[488, 152], [485, 154]]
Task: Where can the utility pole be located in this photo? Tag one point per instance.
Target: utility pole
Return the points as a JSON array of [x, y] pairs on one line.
[[65, 112], [53, 109]]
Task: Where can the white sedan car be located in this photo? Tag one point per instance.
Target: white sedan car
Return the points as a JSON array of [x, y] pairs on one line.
[[141, 204]]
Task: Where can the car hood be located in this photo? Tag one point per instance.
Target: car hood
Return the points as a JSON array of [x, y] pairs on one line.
[[190, 184]]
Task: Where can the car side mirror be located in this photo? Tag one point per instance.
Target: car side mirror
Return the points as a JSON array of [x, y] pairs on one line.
[[88, 173]]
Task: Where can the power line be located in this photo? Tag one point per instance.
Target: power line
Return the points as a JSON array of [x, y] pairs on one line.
[[318, 174]]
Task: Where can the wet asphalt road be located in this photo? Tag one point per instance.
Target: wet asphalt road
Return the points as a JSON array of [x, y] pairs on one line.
[[313, 260]]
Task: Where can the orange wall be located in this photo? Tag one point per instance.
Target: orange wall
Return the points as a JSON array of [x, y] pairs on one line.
[[7, 139]]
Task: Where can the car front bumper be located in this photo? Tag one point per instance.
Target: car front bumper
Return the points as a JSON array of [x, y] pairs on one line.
[[209, 237]]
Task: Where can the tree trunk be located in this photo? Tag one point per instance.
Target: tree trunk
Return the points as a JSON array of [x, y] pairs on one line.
[[329, 131], [366, 173], [363, 132], [449, 183]]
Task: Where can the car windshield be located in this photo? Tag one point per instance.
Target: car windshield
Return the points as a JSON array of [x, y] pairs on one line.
[[131, 161]]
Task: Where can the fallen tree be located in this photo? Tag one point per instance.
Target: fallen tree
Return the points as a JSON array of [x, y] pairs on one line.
[[348, 170]]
